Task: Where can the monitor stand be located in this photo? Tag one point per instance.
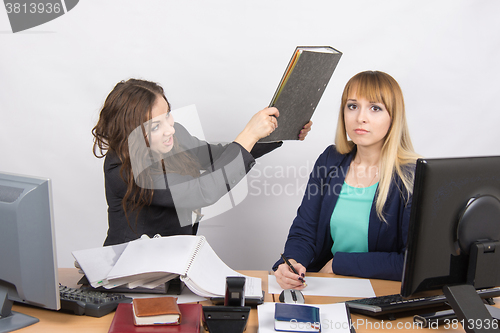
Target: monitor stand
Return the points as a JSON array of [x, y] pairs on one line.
[[9, 320], [470, 310]]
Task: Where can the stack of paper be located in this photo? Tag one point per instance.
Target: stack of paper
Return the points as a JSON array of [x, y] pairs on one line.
[[151, 262]]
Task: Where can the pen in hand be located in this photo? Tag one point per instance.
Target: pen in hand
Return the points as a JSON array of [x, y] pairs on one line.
[[293, 269]]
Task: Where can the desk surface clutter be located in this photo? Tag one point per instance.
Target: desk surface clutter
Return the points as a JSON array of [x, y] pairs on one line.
[[55, 322], [141, 263]]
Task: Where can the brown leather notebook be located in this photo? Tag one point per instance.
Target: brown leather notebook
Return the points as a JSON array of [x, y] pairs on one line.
[[156, 311], [123, 321]]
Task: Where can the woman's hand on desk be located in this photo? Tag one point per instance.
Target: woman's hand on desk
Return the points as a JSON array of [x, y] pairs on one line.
[[288, 279]]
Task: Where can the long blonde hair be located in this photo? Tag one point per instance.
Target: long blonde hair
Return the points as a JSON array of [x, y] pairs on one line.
[[397, 151]]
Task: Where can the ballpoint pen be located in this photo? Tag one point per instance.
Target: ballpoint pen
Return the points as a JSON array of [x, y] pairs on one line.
[[293, 269]]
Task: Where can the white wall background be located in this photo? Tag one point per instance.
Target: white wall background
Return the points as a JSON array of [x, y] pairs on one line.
[[227, 58]]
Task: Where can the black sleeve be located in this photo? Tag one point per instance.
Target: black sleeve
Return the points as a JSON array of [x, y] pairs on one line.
[[260, 149]]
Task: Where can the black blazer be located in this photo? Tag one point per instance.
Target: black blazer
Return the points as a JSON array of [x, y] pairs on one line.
[[170, 212]]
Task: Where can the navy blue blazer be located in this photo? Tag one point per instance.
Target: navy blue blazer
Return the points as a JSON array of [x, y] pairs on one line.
[[309, 241]]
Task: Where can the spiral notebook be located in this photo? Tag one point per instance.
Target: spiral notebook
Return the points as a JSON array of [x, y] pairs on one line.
[[150, 262]]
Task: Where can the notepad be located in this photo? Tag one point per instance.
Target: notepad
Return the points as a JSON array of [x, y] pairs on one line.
[[334, 317], [296, 318], [150, 262], [156, 311]]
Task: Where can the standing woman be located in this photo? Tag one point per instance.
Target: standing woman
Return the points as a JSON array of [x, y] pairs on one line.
[[353, 219], [147, 155]]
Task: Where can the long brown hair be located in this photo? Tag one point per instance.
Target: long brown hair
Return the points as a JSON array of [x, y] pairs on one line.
[[397, 150], [126, 109]]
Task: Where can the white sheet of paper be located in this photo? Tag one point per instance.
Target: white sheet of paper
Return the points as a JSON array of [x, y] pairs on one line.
[[333, 317], [325, 286], [98, 262]]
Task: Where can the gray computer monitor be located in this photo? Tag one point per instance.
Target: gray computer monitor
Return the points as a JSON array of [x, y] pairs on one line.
[[28, 265]]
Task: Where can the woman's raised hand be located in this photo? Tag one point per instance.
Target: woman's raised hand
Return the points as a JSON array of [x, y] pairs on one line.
[[260, 125]]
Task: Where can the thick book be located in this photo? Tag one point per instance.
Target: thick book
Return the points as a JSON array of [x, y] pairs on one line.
[[301, 87], [123, 321], [156, 311], [334, 317], [296, 318], [150, 262]]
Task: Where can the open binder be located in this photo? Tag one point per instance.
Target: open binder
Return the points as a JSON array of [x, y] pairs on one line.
[[151, 262]]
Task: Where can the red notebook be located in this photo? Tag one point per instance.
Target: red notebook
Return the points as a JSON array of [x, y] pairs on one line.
[[123, 321]]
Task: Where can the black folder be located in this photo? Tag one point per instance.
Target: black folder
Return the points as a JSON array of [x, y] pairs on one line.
[[300, 89]]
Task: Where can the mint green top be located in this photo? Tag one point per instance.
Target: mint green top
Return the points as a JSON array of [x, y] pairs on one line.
[[350, 218]]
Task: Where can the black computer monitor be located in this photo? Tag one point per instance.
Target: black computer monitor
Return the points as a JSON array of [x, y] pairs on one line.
[[456, 204], [28, 265]]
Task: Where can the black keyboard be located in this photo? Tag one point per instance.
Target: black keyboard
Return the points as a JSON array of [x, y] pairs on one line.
[[89, 302], [390, 304]]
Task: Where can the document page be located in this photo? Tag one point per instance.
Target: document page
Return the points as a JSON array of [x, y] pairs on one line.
[[156, 255], [98, 262], [208, 273], [325, 286]]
